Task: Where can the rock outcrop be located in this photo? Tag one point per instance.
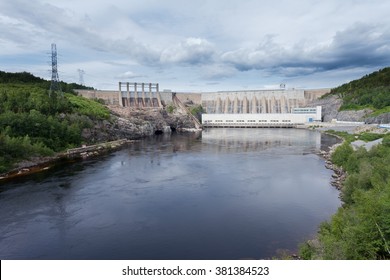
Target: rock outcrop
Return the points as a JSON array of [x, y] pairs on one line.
[[384, 118], [330, 110], [330, 106], [353, 115], [131, 123]]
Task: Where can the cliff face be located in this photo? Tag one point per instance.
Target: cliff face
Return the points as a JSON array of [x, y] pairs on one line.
[[331, 106], [133, 123], [384, 118]]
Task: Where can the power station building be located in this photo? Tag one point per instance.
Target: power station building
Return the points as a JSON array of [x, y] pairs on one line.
[[260, 108], [296, 117]]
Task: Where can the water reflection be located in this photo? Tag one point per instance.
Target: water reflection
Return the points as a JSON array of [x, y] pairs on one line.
[[222, 194], [250, 140]]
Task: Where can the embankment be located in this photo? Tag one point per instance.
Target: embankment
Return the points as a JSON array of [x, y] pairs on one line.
[[339, 175], [124, 125], [35, 165]]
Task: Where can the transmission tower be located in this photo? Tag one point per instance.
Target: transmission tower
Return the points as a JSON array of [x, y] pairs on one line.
[[55, 81], [81, 76]]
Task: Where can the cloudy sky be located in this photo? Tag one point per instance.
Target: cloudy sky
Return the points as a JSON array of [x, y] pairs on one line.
[[202, 45]]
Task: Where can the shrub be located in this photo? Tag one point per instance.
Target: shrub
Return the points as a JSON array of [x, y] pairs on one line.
[[386, 140], [341, 154], [170, 108], [88, 107], [361, 227], [366, 136]]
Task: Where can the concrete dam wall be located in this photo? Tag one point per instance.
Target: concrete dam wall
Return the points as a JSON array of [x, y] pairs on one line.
[[147, 95], [279, 101]]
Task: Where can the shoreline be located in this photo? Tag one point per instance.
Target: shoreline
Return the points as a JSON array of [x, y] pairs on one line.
[[339, 174], [39, 164]]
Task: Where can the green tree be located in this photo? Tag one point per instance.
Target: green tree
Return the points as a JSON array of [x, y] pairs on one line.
[[341, 155]]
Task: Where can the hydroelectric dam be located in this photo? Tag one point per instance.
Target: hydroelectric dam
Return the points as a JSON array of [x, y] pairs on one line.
[[260, 108], [247, 108]]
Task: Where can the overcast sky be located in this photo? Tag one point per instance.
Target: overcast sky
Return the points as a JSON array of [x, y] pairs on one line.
[[198, 45]]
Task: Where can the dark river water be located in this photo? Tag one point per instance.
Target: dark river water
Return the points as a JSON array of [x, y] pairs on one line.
[[220, 194]]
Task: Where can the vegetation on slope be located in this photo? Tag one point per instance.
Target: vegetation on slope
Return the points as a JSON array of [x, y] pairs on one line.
[[29, 79], [365, 136], [32, 123], [371, 91], [361, 227]]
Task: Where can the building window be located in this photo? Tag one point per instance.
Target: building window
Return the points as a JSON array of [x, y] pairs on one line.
[[304, 110]]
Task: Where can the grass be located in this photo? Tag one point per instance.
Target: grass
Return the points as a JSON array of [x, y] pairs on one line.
[[378, 112], [88, 107], [365, 136]]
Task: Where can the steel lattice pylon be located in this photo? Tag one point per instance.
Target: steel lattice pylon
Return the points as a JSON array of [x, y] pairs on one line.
[[81, 76], [55, 81]]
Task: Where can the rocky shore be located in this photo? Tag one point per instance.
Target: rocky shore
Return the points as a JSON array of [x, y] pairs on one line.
[[124, 126], [134, 123], [38, 164], [339, 174], [331, 110]]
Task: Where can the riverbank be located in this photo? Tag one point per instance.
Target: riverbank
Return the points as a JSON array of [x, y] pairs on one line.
[[355, 130], [361, 176], [355, 231], [126, 124], [339, 175], [39, 164], [166, 191]]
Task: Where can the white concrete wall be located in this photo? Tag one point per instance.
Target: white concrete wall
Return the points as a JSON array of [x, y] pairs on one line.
[[255, 101], [260, 119], [166, 97], [291, 94]]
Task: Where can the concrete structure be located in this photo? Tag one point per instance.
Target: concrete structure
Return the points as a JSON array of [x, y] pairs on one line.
[[253, 101], [296, 117], [138, 96], [186, 97], [110, 97], [260, 108], [252, 108], [258, 101]]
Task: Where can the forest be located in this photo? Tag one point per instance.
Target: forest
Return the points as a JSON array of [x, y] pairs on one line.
[[371, 91], [34, 123], [361, 227]]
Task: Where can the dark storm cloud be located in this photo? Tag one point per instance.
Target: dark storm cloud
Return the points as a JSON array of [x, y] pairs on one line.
[[360, 45], [247, 42]]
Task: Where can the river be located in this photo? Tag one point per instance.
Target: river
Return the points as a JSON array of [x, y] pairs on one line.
[[219, 194]]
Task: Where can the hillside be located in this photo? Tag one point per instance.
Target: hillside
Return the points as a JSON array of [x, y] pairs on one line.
[[360, 229], [32, 124], [29, 79], [371, 91]]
